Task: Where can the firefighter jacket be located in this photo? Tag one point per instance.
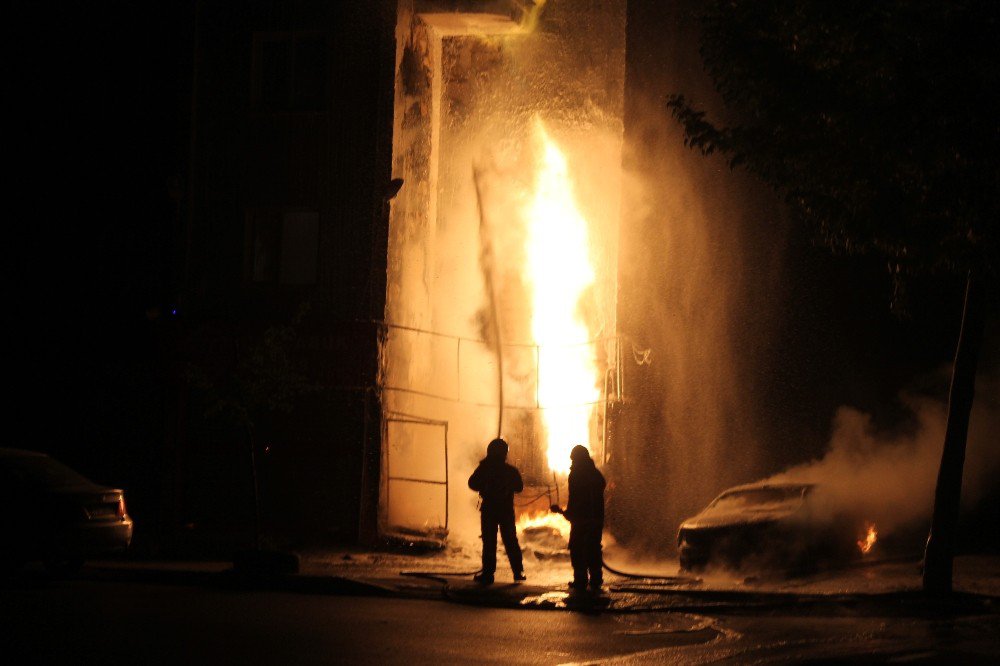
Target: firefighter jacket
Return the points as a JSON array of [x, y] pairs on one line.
[[496, 482], [586, 494]]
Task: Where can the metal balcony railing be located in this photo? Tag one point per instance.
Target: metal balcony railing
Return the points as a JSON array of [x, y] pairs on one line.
[[448, 367]]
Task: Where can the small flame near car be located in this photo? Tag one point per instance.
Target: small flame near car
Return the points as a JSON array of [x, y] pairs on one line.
[[544, 520], [866, 543]]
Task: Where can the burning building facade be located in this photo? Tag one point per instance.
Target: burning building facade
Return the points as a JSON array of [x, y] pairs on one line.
[[503, 247]]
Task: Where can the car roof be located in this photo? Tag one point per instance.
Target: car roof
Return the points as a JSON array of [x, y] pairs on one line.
[[21, 452], [767, 486], [60, 476]]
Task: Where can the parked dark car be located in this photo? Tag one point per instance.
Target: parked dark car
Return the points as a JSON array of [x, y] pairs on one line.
[[56, 515], [770, 525]]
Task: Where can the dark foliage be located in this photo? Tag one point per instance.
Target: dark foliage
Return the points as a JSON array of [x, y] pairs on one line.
[[879, 122]]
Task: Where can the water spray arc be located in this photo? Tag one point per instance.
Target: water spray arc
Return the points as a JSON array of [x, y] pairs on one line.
[[487, 259], [487, 264]]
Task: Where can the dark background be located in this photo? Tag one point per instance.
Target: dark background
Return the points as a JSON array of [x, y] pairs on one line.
[[100, 133]]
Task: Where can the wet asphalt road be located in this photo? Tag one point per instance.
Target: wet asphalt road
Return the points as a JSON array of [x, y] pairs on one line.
[[91, 622]]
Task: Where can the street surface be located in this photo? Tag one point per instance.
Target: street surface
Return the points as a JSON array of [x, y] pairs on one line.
[[99, 621], [974, 574]]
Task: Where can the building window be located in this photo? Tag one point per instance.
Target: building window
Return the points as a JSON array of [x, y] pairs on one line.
[[282, 246], [291, 72]]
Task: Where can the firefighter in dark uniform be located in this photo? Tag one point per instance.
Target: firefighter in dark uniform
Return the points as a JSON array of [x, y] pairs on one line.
[[497, 482], [585, 512]]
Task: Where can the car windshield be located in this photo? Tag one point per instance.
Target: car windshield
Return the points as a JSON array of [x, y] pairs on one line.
[[755, 497], [39, 471]]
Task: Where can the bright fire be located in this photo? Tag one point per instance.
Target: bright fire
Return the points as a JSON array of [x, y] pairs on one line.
[[865, 544], [555, 521], [560, 272]]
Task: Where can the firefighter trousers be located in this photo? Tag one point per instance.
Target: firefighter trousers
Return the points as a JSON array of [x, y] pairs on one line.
[[585, 554], [505, 523]]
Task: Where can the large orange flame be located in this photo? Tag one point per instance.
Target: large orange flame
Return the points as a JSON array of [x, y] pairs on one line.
[[871, 536], [560, 272]]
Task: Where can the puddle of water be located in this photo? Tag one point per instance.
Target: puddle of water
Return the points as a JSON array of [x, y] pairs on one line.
[[553, 599]]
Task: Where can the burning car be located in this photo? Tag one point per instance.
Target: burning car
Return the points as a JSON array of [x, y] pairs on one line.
[[771, 525], [66, 517]]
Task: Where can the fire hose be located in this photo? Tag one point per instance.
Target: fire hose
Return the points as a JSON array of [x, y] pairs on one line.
[[442, 576], [486, 259], [626, 574]]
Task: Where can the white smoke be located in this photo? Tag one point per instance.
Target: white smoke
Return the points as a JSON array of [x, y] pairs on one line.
[[889, 476]]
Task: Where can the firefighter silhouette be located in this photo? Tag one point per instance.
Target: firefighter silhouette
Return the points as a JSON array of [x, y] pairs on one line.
[[497, 482]]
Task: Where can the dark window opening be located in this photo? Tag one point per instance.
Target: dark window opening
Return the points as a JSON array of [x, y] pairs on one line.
[[282, 247], [291, 72]]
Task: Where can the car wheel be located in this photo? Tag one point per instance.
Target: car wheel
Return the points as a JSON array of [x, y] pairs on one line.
[[63, 565]]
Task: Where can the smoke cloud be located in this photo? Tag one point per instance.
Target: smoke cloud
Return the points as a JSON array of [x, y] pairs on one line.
[[889, 476]]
